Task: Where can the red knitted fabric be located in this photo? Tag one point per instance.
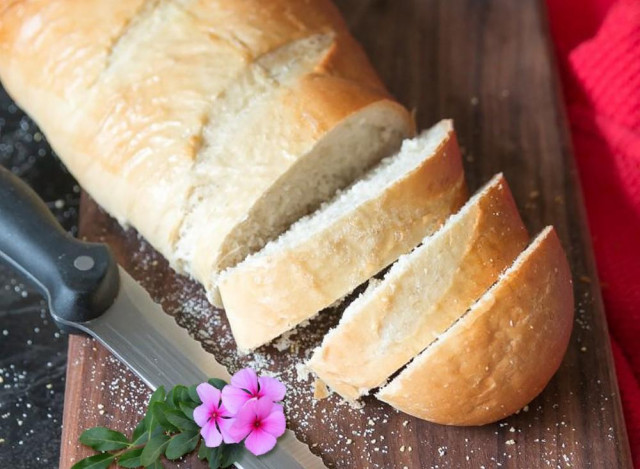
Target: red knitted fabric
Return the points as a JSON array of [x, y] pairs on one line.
[[598, 47]]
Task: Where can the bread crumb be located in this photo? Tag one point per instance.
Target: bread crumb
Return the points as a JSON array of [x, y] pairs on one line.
[[585, 279], [320, 390], [583, 349], [302, 372], [474, 101], [510, 442], [405, 423], [512, 429], [402, 449]]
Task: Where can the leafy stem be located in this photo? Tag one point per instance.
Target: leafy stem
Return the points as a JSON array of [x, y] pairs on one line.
[[167, 429]]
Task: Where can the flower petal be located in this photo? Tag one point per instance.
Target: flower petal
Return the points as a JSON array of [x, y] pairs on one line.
[[202, 414], [271, 388], [234, 398], [247, 413], [208, 394], [237, 431], [244, 421], [228, 435], [211, 435], [223, 411], [275, 423], [246, 379], [263, 407], [260, 442]]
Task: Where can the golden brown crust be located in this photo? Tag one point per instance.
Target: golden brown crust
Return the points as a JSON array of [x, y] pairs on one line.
[[502, 353], [421, 298], [267, 297], [123, 90]]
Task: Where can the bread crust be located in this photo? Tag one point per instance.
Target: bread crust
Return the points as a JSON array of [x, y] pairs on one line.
[[267, 296], [502, 353], [123, 90], [435, 285]]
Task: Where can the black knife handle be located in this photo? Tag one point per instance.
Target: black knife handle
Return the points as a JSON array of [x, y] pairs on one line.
[[80, 280]]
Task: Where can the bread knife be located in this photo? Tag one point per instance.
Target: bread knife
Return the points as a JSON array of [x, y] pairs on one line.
[[88, 292]]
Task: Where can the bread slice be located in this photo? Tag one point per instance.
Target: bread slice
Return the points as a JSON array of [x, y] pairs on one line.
[[325, 256], [208, 126], [502, 352], [423, 294]]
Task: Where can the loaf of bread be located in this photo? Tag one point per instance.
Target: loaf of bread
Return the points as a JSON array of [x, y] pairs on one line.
[[212, 126], [208, 126], [423, 294], [502, 352], [325, 256]]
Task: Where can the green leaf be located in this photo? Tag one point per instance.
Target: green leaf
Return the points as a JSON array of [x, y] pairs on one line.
[[178, 419], [159, 411], [230, 454], [138, 431], [103, 439], [156, 465], [97, 461], [184, 394], [130, 458], [154, 449], [181, 444], [158, 395], [193, 394], [217, 383], [187, 409], [149, 420], [141, 440], [170, 398], [180, 394], [203, 451], [214, 456]]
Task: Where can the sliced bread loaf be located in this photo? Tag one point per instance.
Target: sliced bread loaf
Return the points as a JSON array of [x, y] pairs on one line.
[[502, 352], [325, 256], [423, 294]]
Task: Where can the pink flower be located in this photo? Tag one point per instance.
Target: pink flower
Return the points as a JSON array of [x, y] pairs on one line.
[[261, 421], [246, 385], [212, 417]]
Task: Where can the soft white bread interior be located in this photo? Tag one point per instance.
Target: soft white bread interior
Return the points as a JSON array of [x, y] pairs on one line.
[[362, 230], [208, 126], [423, 294], [502, 352]]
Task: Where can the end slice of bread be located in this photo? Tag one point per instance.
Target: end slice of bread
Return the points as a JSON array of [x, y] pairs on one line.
[[502, 352], [423, 294], [361, 231]]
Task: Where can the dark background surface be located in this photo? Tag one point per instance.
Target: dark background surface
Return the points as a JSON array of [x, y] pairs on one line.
[[33, 353]]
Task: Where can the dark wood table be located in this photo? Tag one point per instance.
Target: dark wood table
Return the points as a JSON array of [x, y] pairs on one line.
[[489, 66]]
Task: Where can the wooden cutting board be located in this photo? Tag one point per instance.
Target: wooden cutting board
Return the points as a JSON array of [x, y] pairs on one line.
[[488, 65]]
